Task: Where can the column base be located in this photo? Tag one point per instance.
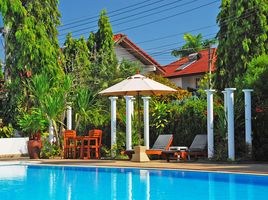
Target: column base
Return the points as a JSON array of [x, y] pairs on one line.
[[140, 154]]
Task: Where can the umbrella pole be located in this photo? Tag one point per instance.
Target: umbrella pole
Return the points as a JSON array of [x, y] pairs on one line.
[[139, 118]]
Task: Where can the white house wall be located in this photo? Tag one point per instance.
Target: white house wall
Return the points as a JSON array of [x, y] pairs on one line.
[[13, 146], [122, 53], [187, 81], [177, 81]]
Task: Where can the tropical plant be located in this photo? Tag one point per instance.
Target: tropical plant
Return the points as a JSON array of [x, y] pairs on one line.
[[32, 48], [160, 112], [104, 40], [1, 73], [179, 95], [50, 96], [77, 63], [33, 122], [6, 131], [50, 150], [256, 79], [242, 37], [193, 44], [83, 100], [220, 132]]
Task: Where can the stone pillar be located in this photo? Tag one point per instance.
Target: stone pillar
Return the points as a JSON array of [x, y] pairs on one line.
[[247, 93], [230, 121], [210, 127], [128, 123], [146, 121], [113, 121], [69, 117]]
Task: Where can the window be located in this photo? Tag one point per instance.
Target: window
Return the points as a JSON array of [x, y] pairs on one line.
[[197, 82]]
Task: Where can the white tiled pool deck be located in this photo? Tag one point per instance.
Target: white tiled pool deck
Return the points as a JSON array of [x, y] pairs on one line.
[[253, 168]]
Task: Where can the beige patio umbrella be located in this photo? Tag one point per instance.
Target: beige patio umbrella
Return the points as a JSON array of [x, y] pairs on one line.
[[138, 85]]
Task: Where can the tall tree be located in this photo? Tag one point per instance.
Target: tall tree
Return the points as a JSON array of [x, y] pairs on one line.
[[242, 37], [77, 63], [104, 39], [222, 17], [32, 46], [102, 54]]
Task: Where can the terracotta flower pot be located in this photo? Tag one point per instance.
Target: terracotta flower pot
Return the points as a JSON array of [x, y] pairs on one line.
[[34, 148]]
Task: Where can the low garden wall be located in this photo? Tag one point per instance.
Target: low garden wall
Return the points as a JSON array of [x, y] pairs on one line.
[[13, 146]]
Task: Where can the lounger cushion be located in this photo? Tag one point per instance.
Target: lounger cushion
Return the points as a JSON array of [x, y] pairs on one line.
[[199, 143], [162, 142]]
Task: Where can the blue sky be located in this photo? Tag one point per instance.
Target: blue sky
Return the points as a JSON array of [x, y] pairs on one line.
[[171, 18], [188, 15]]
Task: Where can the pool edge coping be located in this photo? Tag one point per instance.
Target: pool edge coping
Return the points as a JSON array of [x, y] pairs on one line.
[[39, 163]]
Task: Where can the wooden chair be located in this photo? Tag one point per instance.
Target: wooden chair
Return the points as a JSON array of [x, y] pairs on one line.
[[69, 144], [91, 144]]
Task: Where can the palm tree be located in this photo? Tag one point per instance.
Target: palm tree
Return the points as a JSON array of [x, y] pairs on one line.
[[194, 43], [51, 97]]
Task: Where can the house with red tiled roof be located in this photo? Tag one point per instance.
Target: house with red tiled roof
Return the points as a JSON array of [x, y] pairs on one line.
[[126, 49], [188, 71]]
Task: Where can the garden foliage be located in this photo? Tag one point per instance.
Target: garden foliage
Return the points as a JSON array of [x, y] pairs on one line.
[[243, 35]]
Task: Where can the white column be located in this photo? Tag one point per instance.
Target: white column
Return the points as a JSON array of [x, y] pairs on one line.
[[128, 123], [69, 117], [210, 133], [113, 121], [247, 93], [146, 121], [230, 121], [132, 106], [51, 132]]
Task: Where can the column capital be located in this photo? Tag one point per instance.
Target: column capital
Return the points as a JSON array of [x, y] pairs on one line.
[[224, 91], [230, 89], [69, 103], [113, 98], [247, 90], [128, 97], [210, 90], [146, 98]]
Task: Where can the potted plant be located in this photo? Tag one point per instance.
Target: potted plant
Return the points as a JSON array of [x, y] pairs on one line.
[[33, 124]]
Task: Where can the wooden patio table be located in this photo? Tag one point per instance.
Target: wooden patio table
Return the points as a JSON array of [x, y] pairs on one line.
[[87, 147]]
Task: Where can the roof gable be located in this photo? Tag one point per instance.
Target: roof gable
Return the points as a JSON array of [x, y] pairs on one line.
[[132, 48]]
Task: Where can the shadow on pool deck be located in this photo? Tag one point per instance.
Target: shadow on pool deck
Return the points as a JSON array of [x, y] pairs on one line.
[[255, 168]]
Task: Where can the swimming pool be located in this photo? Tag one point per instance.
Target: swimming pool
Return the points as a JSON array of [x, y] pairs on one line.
[[70, 183]]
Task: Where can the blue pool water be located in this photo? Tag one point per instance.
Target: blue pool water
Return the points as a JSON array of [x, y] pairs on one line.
[[78, 183]]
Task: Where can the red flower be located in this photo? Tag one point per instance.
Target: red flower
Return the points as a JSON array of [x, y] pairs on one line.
[[28, 74], [259, 110]]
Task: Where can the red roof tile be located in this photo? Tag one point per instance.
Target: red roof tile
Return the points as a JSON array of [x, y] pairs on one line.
[[198, 67]]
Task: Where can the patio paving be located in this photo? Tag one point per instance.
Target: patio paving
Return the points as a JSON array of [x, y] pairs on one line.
[[255, 168]]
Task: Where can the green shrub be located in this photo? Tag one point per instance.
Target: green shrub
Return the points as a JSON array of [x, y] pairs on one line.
[[1, 73], [50, 150], [256, 78], [6, 131]]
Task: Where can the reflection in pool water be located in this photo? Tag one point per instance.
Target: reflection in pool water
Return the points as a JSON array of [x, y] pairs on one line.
[[73, 183]]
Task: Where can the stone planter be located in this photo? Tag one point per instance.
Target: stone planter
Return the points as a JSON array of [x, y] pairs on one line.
[[140, 154]]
